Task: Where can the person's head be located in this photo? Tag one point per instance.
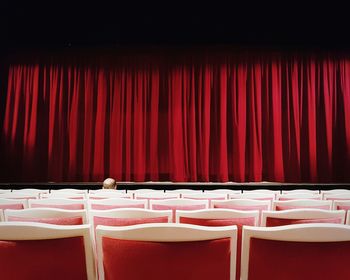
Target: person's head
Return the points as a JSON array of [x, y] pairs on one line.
[[109, 183]]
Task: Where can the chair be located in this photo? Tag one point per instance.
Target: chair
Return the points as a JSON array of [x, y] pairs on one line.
[[178, 204], [338, 196], [221, 217], [262, 191], [107, 195], [298, 216], [127, 217], [141, 191], [300, 191], [47, 215], [278, 205], [291, 196], [68, 190], [308, 251], [19, 195], [68, 195], [335, 191], [114, 203], [226, 192], [5, 191], [166, 251], [206, 196], [243, 205], [9, 203], [107, 191], [156, 196], [43, 251], [61, 203], [254, 195], [2, 218], [341, 205], [36, 192], [182, 192]]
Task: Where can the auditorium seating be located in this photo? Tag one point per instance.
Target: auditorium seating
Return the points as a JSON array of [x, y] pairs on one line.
[[279, 205], [9, 203], [166, 251], [254, 195], [68, 195], [104, 195], [113, 203], [297, 216], [47, 215], [62, 203], [308, 251], [299, 195], [42, 251], [226, 192], [20, 195], [182, 192]]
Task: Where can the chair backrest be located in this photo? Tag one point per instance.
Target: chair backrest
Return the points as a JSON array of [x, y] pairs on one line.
[[33, 250], [61, 203], [106, 195], [179, 252], [36, 192], [298, 216], [206, 196], [19, 195], [107, 191], [8, 203], [156, 196], [221, 217], [115, 203], [2, 218], [308, 251], [47, 215], [279, 205], [338, 196], [68, 195], [141, 191], [5, 191], [254, 195], [335, 191], [262, 191], [127, 217], [291, 196], [182, 192], [300, 191], [341, 205], [227, 192], [178, 204], [69, 190]]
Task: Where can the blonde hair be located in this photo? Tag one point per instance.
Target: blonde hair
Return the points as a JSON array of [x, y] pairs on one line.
[[109, 183]]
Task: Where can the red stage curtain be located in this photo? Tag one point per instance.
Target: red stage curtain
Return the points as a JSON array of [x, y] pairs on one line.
[[265, 118]]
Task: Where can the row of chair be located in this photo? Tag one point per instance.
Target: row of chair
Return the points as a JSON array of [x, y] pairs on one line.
[[174, 251]]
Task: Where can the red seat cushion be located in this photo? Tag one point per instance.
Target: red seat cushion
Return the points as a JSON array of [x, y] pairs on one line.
[[15, 206], [277, 260], [60, 206], [178, 207], [239, 222], [55, 221], [108, 207], [43, 259], [288, 207], [274, 222], [106, 221], [135, 260]]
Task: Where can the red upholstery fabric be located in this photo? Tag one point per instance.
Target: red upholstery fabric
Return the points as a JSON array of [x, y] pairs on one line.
[[55, 221], [343, 207], [285, 207], [178, 207], [132, 260], [108, 207], [60, 206], [43, 259], [239, 222], [16, 206], [274, 222], [127, 221], [282, 260]]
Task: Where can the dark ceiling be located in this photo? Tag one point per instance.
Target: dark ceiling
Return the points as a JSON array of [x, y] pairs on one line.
[[59, 24]]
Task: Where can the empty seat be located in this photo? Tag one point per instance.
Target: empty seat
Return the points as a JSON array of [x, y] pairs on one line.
[[303, 252], [156, 196], [61, 203], [47, 215], [42, 251], [298, 216], [254, 195], [291, 196], [114, 203], [106, 195], [166, 251], [279, 205]]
